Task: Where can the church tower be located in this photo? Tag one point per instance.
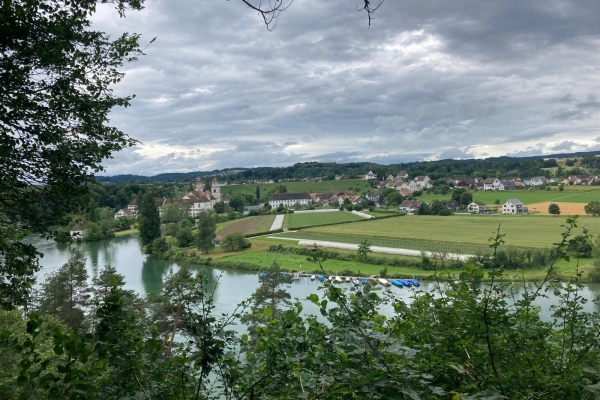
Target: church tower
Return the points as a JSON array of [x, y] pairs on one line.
[[216, 189], [199, 184]]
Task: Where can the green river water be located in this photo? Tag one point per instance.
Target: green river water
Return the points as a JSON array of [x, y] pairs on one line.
[[145, 275]]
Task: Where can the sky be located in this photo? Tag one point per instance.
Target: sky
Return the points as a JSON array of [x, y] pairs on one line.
[[430, 79]]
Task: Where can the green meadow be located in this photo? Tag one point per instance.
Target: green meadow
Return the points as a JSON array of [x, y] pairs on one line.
[[296, 221]]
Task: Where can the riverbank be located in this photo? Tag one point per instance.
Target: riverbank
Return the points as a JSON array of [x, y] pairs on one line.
[[258, 258]]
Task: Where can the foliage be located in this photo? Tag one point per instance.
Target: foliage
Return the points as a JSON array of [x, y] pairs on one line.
[[466, 198], [235, 241], [185, 237], [236, 202], [593, 208], [219, 207], [554, 209], [206, 232], [364, 248], [149, 219], [594, 273], [580, 246], [175, 212]]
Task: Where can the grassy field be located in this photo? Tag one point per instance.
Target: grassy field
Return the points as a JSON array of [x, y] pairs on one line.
[[571, 194], [248, 225], [521, 231], [296, 221], [358, 185], [126, 232]]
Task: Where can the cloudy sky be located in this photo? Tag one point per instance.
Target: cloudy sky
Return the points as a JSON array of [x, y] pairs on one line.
[[431, 79]]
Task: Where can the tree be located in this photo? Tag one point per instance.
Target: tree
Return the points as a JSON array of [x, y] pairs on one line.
[[570, 163], [364, 248], [457, 192], [554, 209], [219, 207], [423, 209], [65, 293], [55, 91], [237, 202], [281, 189], [394, 198], [497, 202], [580, 246], [466, 198], [593, 208], [149, 219], [257, 193], [92, 215], [235, 241], [185, 237], [206, 232]]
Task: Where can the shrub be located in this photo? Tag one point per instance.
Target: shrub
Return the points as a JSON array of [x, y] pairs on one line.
[[580, 246]]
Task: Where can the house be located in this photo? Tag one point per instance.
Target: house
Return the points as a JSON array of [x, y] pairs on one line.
[[357, 199], [132, 206], [451, 204], [410, 206], [537, 181], [341, 177], [477, 207], [124, 212], [514, 206], [390, 177], [574, 180], [423, 182], [508, 185], [369, 176], [373, 198], [289, 199], [412, 186], [405, 192], [402, 174], [490, 184], [465, 182], [450, 181], [78, 230]]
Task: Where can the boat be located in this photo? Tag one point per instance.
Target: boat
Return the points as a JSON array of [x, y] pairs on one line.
[[347, 279], [312, 277], [321, 278], [364, 281], [338, 279], [296, 277], [263, 274], [415, 282], [397, 282], [405, 282], [355, 281], [384, 282], [330, 279]]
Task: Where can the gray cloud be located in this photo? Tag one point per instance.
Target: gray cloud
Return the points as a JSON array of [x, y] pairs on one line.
[[433, 79]]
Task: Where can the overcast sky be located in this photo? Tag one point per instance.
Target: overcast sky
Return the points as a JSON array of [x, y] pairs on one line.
[[431, 79]]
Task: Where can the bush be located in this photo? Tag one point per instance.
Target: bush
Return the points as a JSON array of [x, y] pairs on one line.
[[594, 274], [580, 246], [235, 241]]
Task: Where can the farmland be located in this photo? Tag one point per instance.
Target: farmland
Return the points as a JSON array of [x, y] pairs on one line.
[[358, 185], [571, 194], [521, 231], [296, 221], [248, 225]]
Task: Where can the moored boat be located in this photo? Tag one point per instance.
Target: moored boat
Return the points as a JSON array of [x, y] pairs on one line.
[[347, 279], [321, 278], [405, 282], [263, 274], [338, 279], [296, 277], [313, 277], [384, 282], [415, 282], [330, 279], [397, 282], [355, 281], [364, 281]]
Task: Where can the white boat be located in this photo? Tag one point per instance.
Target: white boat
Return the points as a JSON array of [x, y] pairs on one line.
[[355, 281], [330, 279], [347, 279], [313, 277], [384, 282], [296, 277], [338, 279]]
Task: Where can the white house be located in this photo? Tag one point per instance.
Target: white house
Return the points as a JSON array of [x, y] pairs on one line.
[[289, 199], [423, 182], [410, 206], [369, 176], [537, 181], [402, 174], [476, 207], [78, 230], [514, 206], [410, 186], [124, 212]]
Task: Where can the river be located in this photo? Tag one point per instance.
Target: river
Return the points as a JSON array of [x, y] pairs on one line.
[[145, 275]]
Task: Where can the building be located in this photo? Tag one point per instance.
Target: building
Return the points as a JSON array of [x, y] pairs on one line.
[[410, 206], [423, 182], [451, 204], [514, 206], [477, 207], [125, 212], [289, 199], [369, 176], [78, 230]]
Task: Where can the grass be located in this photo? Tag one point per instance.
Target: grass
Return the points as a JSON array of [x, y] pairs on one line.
[[126, 232], [571, 194], [358, 185], [296, 221], [521, 231], [248, 225]]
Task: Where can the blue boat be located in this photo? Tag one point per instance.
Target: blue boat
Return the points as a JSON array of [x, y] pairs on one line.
[[405, 282], [263, 274], [397, 282], [321, 278], [415, 282], [365, 281]]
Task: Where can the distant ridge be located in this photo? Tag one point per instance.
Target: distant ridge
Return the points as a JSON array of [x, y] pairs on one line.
[[316, 167]]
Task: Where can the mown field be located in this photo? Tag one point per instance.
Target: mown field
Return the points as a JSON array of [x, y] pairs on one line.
[[296, 221], [248, 225], [521, 231], [358, 185], [571, 194]]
